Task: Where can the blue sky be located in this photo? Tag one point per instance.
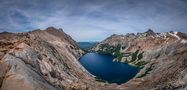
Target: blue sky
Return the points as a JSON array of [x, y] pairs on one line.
[[94, 20]]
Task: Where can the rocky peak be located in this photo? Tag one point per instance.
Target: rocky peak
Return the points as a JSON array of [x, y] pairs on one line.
[[149, 32], [59, 33], [54, 29], [5, 32], [130, 34], [113, 35], [182, 35]]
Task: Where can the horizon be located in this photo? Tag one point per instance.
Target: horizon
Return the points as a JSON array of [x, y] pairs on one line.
[[91, 41], [94, 20]]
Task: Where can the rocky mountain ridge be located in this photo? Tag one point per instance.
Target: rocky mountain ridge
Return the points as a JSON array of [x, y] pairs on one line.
[[162, 57], [42, 60], [48, 60]]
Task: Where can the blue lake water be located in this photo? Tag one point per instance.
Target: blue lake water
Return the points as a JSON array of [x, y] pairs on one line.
[[102, 66]]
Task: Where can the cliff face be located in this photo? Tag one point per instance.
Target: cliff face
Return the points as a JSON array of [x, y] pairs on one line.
[[162, 57], [42, 60]]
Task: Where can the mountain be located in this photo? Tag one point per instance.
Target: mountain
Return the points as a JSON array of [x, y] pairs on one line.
[[49, 60], [86, 45], [162, 58], [42, 60]]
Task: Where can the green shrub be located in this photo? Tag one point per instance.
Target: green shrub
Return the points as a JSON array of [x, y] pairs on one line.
[[134, 55], [140, 56], [108, 49], [119, 55]]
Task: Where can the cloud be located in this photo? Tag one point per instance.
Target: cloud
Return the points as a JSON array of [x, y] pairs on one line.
[[93, 20]]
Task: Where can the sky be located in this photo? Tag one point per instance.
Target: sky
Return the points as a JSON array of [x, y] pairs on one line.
[[94, 20]]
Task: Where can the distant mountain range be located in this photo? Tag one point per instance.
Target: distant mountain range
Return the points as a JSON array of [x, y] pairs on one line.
[[87, 45]]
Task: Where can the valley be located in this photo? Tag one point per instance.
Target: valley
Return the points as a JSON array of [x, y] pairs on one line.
[[51, 60]]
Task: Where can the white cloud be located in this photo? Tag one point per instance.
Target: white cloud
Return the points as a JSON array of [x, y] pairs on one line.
[[95, 20]]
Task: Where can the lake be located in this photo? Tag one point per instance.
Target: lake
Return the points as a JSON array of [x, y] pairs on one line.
[[102, 66]]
